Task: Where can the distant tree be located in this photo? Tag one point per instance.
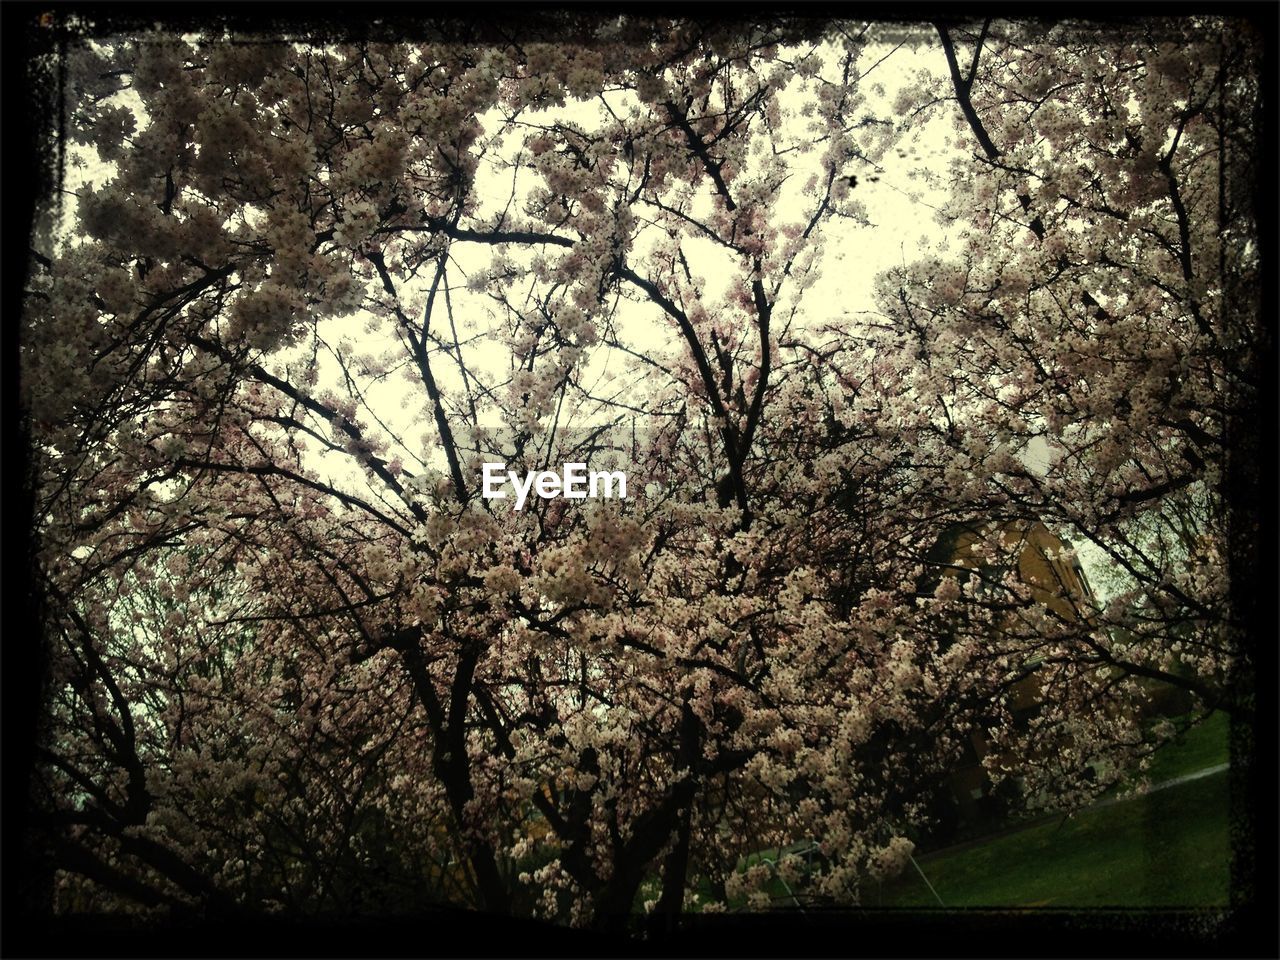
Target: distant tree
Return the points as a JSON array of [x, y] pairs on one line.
[[1094, 355]]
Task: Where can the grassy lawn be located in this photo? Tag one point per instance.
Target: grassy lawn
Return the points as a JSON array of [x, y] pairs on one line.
[[1204, 745], [1170, 848]]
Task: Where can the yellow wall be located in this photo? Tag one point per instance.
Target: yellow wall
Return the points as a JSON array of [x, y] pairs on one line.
[[1055, 581]]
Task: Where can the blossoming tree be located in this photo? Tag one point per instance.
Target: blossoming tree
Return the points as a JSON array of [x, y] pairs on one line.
[[298, 659], [1103, 319]]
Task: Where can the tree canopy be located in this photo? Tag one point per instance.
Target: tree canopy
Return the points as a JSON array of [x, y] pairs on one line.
[[304, 289]]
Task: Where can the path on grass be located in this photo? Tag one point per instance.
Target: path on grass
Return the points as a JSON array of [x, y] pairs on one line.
[[1164, 785], [1049, 817]]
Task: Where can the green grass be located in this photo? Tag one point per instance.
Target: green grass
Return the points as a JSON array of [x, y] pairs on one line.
[[1170, 848], [1167, 849], [1204, 745]]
